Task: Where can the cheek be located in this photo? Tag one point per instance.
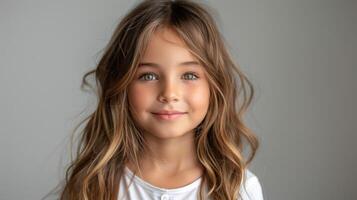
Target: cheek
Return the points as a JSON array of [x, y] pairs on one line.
[[199, 97], [139, 97]]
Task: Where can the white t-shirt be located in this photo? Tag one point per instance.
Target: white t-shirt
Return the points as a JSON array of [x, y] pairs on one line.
[[142, 190]]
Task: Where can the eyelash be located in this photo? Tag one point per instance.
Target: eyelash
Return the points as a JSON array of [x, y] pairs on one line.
[[150, 73]]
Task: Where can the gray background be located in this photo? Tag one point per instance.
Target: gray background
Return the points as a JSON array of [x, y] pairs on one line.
[[300, 55]]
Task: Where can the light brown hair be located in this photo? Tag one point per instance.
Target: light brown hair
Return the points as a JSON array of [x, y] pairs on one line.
[[110, 137]]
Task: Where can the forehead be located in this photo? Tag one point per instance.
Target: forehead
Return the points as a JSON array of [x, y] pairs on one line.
[[164, 45], [157, 65]]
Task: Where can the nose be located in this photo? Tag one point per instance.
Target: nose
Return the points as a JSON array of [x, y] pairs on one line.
[[168, 91]]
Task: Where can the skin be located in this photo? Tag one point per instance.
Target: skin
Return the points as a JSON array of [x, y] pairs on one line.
[[171, 159]]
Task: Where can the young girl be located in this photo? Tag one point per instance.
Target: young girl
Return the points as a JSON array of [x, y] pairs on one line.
[[169, 122]]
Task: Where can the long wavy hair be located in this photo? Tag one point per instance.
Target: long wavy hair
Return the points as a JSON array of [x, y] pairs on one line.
[[110, 137]]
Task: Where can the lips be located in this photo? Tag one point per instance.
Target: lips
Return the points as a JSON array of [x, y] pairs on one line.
[[169, 115], [166, 112]]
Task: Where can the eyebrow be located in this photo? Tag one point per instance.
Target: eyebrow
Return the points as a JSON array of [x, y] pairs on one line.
[[187, 63]]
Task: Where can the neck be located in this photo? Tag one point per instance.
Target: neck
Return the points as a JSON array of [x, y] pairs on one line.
[[169, 156]]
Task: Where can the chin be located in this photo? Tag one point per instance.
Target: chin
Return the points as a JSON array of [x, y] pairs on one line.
[[168, 134]]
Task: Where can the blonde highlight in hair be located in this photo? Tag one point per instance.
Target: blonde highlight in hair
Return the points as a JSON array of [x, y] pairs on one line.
[[110, 138]]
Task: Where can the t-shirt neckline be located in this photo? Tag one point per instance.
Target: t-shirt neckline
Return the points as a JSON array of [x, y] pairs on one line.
[[154, 188]]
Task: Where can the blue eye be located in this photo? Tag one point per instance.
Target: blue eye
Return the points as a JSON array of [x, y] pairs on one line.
[[192, 75], [146, 76]]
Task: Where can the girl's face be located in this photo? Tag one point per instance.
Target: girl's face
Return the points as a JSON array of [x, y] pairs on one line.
[[169, 79]]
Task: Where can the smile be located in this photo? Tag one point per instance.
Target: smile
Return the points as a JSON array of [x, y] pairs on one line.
[[168, 116]]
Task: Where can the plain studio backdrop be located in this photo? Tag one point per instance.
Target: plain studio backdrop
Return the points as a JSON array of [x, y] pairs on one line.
[[301, 56]]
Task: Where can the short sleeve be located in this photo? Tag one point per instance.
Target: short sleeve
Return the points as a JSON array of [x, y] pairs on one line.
[[253, 189]]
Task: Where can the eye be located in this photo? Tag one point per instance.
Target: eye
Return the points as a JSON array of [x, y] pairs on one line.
[[145, 76], [192, 76], [150, 76]]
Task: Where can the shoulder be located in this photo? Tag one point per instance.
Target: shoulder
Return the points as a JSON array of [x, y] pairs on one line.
[[251, 188]]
